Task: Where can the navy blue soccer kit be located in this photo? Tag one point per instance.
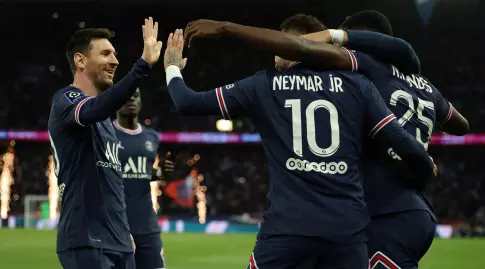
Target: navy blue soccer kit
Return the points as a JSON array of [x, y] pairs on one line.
[[138, 150], [93, 229], [313, 127], [403, 221]]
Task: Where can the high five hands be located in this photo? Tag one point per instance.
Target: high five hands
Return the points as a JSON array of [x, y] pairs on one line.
[[151, 46], [175, 47]]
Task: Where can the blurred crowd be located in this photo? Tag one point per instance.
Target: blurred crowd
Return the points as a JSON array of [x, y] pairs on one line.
[[235, 176]]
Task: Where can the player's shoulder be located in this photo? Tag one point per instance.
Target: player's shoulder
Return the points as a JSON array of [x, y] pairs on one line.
[[366, 63], [150, 132], [69, 94], [264, 72], [263, 75], [357, 79]]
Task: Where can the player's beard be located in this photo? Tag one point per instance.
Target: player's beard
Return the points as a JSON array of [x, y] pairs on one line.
[[100, 81]]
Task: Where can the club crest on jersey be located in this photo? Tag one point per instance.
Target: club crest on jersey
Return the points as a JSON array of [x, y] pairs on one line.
[[149, 146], [74, 96]]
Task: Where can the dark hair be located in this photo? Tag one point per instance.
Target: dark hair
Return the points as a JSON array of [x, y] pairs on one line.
[[370, 20], [303, 24], [80, 42]]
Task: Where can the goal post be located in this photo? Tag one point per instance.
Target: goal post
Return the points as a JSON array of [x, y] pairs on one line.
[[36, 212]]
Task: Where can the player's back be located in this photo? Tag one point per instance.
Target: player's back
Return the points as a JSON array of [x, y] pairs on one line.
[[312, 126], [88, 171], [138, 149], [418, 106]]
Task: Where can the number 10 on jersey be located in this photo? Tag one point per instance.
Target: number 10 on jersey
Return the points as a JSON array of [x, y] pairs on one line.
[[296, 118]]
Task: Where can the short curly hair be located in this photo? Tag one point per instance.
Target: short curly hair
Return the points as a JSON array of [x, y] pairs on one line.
[[369, 19]]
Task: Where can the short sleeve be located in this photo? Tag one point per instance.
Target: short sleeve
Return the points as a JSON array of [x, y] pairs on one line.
[[443, 108]]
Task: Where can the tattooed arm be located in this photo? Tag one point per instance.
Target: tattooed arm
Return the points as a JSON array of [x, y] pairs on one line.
[[173, 53]]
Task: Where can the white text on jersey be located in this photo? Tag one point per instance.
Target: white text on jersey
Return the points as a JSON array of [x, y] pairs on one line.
[[111, 154], [322, 167], [136, 170], [306, 83], [412, 80]]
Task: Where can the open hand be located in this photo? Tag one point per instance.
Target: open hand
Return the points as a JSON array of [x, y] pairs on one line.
[[203, 29], [175, 47], [152, 47]]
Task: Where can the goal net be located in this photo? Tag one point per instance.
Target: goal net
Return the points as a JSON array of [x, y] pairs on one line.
[[37, 213]]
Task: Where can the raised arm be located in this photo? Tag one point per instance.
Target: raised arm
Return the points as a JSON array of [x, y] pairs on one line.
[[95, 109], [315, 48], [232, 100], [287, 46], [75, 107], [383, 47]]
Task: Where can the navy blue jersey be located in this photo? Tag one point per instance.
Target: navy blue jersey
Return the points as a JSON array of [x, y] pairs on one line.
[[312, 125], [89, 177], [138, 150], [418, 106]]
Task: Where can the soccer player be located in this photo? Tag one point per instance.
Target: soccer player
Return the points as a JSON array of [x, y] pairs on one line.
[[312, 52], [312, 126], [403, 222], [93, 229], [138, 150]]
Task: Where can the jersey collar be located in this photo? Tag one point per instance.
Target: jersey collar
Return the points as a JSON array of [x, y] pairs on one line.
[[128, 131]]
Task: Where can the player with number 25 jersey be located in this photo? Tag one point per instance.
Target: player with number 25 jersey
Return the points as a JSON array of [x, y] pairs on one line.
[[403, 222], [392, 199]]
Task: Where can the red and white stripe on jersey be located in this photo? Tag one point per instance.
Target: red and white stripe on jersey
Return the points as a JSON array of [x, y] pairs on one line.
[[252, 262], [450, 112], [222, 104], [355, 64], [381, 125], [380, 258], [78, 108]]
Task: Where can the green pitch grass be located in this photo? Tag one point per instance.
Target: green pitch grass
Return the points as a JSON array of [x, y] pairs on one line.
[[21, 249]]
